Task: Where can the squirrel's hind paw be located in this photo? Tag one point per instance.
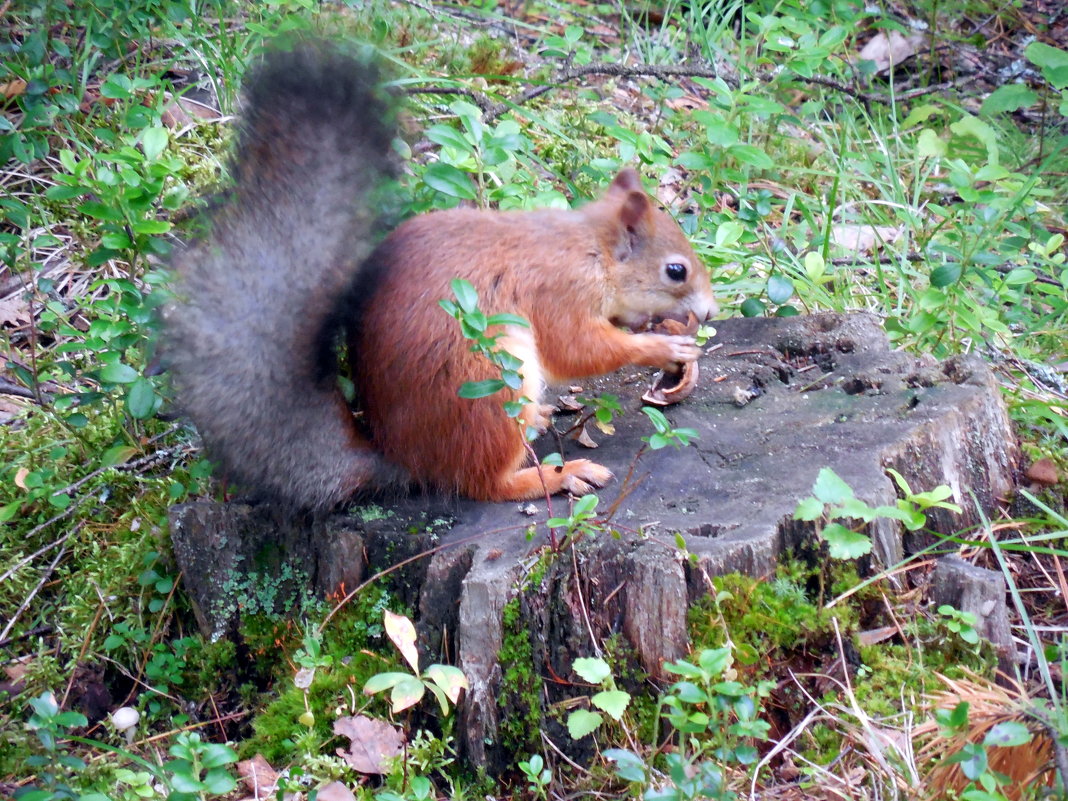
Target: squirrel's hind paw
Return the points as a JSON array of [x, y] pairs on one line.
[[581, 476]]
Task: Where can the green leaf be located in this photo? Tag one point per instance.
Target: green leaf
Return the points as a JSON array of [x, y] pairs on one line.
[[383, 681], [976, 128], [751, 307], [929, 145], [449, 678], [120, 454], [447, 136], [591, 669], [465, 293], [972, 760], [1012, 97], [815, 266], [219, 782], [714, 660], [216, 755], [946, 274], [683, 668], [830, 488], [920, 114], [154, 142], [118, 373], [1008, 733], [659, 421], [449, 181], [507, 319], [751, 155], [8, 511], [845, 543], [101, 211], [1051, 60], [141, 399], [480, 389], [780, 289], [582, 722], [440, 697], [151, 227], [728, 233], [809, 508], [629, 766], [406, 693], [614, 702]]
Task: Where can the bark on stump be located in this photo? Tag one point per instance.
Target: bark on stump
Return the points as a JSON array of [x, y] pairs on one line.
[[777, 400]]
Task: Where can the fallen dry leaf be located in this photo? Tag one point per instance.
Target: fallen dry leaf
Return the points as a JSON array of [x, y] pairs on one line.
[[888, 49], [14, 311], [12, 88], [568, 403], [335, 791], [873, 636], [1044, 471], [182, 111], [583, 438], [863, 238], [372, 743], [259, 777]]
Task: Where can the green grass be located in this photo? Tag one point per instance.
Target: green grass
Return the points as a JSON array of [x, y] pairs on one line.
[[765, 158]]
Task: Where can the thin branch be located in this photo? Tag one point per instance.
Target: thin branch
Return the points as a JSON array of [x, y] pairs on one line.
[[33, 593]]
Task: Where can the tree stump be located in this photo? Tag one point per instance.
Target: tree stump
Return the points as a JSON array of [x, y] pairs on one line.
[[777, 399]]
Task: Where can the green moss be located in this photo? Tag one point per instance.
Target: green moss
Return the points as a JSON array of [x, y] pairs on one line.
[[520, 696], [777, 617]]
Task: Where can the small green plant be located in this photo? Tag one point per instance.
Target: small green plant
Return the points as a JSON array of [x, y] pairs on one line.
[[833, 499], [52, 764], [581, 522], [986, 783], [474, 325], [539, 776], [611, 700], [960, 623], [199, 770], [716, 721], [406, 689], [665, 434]]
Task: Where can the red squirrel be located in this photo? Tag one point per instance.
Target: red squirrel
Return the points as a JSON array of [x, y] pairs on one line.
[[289, 262]]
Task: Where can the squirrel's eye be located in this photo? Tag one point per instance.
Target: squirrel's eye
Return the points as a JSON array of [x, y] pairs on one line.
[[675, 271]]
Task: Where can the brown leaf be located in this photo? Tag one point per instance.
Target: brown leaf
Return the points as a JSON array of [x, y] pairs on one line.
[[569, 403], [873, 636], [182, 111], [1044, 471], [259, 777], [372, 742], [583, 438], [13, 88], [401, 633], [863, 238], [889, 49], [14, 311], [335, 791]]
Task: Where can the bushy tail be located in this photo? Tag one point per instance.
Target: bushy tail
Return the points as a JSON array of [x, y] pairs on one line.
[[250, 332]]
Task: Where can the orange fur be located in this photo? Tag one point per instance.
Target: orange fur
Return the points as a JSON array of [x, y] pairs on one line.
[[569, 273]]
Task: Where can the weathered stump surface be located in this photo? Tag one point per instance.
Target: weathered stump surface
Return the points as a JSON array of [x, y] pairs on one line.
[[777, 400]]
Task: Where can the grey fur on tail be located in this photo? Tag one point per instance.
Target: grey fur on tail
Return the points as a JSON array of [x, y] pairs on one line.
[[250, 332]]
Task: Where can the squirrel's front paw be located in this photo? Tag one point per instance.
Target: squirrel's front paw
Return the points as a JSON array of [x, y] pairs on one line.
[[672, 349]]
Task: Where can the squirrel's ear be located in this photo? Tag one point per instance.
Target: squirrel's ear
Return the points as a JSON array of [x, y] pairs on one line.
[[627, 180], [635, 203]]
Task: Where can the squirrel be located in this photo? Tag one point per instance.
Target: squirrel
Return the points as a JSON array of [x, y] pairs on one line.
[[289, 263]]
